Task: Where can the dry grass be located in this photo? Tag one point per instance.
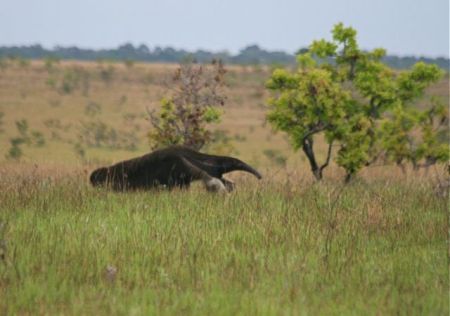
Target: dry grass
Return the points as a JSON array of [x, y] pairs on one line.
[[26, 94]]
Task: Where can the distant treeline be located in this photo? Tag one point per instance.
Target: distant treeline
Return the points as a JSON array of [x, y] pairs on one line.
[[250, 55]]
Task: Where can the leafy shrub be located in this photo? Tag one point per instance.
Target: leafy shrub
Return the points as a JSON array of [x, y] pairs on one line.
[[26, 137], [106, 73], [50, 63], [100, 135], [275, 157], [194, 95], [92, 109]]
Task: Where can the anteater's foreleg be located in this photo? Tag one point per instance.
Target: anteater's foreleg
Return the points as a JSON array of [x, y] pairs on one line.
[[212, 184]]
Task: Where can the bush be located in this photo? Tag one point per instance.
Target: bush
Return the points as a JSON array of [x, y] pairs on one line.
[[194, 95], [26, 137]]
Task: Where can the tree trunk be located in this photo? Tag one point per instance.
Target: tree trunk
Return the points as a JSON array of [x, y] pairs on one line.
[[318, 174], [349, 177], [309, 152]]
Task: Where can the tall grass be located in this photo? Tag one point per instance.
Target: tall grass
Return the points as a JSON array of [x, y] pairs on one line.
[[377, 247]]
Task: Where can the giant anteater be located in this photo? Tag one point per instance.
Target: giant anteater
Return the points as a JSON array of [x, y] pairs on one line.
[[174, 166]]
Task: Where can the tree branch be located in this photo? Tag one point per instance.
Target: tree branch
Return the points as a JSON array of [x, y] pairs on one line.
[[313, 131], [327, 161]]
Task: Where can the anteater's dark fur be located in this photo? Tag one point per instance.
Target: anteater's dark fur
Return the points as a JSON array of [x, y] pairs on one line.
[[173, 166]]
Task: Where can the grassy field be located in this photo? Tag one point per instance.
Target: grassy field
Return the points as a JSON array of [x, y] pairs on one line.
[[285, 248], [282, 245]]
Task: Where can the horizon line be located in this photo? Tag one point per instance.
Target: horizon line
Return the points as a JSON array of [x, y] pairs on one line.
[[213, 51]]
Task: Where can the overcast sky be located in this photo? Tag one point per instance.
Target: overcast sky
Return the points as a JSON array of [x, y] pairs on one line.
[[404, 27]]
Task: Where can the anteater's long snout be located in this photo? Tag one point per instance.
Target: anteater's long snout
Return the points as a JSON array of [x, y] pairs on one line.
[[252, 170], [242, 166]]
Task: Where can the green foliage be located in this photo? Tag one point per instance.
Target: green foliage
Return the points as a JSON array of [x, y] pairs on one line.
[[69, 80], [308, 102], [323, 48], [412, 84], [106, 73], [15, 152], [51, 82], [80, 151], [166, 131], [92, 109], [50, 63], [23, 62], [98, 134], [37, 139], [26, 137], [129, 63], [212, 115], [396, 135], [22, 128], [190, 106], [358, 103], [275, 157], [68, 83], [434, 128], [3, 63], [56, 128], [355, 144], [220, 144], [419, 137]]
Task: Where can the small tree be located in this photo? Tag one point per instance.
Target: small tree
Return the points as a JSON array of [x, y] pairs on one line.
[[195, 93], [346, 94], [308, 103]]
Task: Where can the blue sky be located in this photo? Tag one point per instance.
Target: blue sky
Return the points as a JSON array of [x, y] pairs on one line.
[[403, 27]]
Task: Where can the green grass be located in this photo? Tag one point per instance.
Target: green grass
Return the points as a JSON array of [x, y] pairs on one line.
[[269, 248]]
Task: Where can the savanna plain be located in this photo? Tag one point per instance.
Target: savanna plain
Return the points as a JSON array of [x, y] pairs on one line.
[[282, 245]]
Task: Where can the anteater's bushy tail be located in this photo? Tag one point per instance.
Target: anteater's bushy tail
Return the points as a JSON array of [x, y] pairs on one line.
[[99, 176]]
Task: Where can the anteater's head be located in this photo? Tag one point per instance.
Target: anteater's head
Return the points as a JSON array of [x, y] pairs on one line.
[[99, 176]]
